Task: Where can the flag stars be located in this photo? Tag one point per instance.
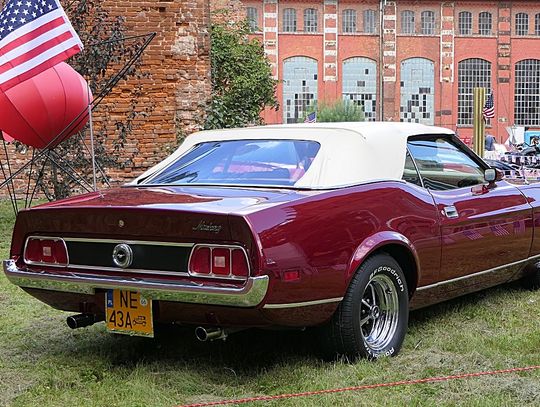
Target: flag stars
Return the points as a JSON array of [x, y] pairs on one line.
[[28, 4], [10, 28], [16, 12], [19, 3], [25, 12], [23, 20]]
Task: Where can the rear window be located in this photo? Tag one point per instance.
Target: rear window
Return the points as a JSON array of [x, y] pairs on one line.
[[241, 162]]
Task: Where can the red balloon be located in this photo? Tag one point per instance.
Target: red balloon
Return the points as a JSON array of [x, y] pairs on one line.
[[7, 137], [46, 109]]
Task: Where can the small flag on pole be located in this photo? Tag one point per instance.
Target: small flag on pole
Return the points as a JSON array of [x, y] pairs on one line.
[[311, 118], [35, 35], [489, 108]]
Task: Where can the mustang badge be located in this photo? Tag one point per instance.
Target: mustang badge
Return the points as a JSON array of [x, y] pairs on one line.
[[122, 255], [207, 227]]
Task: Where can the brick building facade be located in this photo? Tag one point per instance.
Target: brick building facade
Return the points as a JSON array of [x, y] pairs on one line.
[[404, 60]]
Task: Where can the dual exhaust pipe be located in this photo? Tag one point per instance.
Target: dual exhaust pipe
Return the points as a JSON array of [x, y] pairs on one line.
[[202, 334], [81, 320], [214, 334]]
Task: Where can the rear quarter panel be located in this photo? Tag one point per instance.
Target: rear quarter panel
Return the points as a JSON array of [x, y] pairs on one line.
[[326, 237]]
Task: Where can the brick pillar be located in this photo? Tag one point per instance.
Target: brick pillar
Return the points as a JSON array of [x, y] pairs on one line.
[[330, 49], [270, 34], [501, 85], [389, 61], [447, 68]]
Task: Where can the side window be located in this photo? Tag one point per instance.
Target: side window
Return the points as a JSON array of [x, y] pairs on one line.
[[410, 173], [444, 165]]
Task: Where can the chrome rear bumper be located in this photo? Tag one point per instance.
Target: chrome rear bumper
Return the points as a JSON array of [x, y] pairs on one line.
[[250, 295]]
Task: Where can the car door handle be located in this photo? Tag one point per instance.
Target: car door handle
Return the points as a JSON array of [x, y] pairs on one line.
[[451, 212]]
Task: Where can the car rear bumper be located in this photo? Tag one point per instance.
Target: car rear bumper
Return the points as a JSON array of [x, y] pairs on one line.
[[249, 295]]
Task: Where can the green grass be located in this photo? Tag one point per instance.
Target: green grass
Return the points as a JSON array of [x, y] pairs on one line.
[[44, 363]]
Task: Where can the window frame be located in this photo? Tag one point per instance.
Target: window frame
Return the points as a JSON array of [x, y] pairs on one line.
[[408, 24], [366, 16], [311, 20], [458, 144], [474, 75], [253, 19], [537, 24], [521, 24], [427, 27], [349, 21], [289, 13], [485, 28], [526, 97], [462, 22]]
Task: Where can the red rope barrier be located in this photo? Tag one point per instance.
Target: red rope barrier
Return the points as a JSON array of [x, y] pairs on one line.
[[364, 387]]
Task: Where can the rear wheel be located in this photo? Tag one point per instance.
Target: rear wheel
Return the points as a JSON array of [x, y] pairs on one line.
[[372, 319]]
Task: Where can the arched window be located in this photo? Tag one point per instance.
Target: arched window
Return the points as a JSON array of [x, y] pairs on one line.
[[527, 93], [407, 22], [417, 91], [310, 20], [299, 87], [484, 23], [349, 21], [537, 24], [369, 21], [360, 84], [428, 22], [252, 18], [289, 20], [465, 23], [522, 24], [472, 73]]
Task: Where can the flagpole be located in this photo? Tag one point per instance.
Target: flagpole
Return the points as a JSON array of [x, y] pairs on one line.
[[91, 122]]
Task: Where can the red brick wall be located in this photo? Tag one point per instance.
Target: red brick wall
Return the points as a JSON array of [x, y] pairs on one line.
[[171, 90], [175, 77]]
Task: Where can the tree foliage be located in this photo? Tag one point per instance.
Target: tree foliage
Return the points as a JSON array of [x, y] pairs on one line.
[[242, 83]]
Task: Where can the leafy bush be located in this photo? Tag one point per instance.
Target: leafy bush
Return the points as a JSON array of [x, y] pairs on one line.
[[340, 111]]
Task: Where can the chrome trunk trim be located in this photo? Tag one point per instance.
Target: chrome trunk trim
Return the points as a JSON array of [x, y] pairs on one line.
[[249, 295]]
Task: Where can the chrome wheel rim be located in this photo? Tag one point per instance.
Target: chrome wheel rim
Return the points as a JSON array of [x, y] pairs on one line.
[[379, 312]]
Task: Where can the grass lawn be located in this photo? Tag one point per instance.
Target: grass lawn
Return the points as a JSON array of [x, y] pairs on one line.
[[44, 363]]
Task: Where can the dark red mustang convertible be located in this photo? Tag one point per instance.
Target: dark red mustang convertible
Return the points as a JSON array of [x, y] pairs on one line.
[[341, 226]]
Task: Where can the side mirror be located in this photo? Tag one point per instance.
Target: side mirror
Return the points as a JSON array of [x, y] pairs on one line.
[[493, 175]]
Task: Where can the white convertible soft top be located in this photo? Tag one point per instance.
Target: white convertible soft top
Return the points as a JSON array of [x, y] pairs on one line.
[[350, 153]]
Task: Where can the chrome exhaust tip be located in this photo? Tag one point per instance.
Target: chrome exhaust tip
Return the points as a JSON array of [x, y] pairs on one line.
[[81, 320], [210, 334]]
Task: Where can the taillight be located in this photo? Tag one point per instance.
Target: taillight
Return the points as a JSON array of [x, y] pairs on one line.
[[219, 261], [200, 261], [50, 251]]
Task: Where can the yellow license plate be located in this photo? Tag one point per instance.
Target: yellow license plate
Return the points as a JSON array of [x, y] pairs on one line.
[[128, 312]]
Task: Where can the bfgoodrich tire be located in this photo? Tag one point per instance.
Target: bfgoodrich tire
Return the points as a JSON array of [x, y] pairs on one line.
[[372, 319]]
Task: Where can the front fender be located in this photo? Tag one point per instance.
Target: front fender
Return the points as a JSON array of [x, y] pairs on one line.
[[376, 242]]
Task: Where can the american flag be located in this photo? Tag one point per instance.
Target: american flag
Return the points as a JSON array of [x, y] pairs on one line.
[[311, 118], [489, 108], [34, 36]]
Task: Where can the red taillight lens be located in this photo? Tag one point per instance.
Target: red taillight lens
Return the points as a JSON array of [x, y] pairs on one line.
[[200, 261], [239, 263], [221, 262], [46, 250]]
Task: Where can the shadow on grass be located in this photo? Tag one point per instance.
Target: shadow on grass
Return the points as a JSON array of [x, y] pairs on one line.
[[246, 353]]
